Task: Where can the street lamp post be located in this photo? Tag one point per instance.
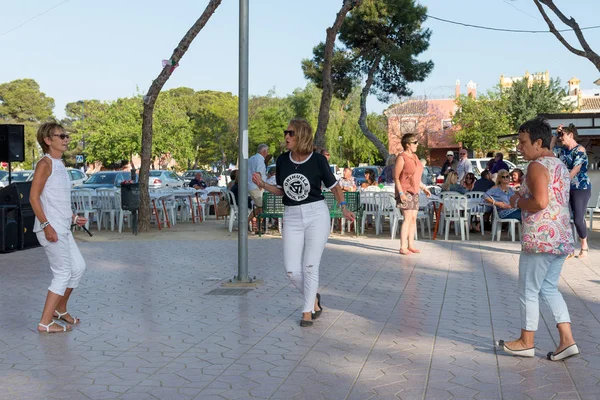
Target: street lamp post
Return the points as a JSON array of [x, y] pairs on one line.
[[82, 130], [340, 139]]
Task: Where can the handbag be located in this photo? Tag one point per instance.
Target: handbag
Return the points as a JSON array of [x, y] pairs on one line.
[[223, 207]]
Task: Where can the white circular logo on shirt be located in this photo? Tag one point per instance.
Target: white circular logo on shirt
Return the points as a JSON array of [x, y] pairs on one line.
[[296, 187]]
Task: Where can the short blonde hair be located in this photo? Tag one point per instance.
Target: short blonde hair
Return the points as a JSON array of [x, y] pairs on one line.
[[451, 179], [304, 134], [391, 160], [46, 130], [499, 176]]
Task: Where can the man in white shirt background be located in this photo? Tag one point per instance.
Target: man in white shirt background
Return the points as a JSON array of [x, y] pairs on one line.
[[256, 163], [464, 165]]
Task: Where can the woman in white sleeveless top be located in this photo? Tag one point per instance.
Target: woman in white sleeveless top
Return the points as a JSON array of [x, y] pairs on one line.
[[50, 199]]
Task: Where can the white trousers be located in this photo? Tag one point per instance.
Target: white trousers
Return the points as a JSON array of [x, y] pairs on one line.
[[305, 233], [66, 262]]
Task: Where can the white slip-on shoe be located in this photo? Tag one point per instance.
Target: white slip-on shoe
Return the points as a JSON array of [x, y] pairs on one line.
[[519, 353], [567, 352]]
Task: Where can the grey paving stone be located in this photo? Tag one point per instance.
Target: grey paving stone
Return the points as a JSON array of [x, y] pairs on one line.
[[393, 327]]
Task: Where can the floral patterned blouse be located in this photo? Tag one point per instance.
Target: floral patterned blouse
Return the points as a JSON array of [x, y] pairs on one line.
[[549, 230], [572, 158]]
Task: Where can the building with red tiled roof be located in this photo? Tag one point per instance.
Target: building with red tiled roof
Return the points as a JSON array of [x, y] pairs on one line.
[[430, 120]]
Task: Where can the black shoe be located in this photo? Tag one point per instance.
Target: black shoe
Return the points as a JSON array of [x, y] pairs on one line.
[[305, 324], [317, 314]]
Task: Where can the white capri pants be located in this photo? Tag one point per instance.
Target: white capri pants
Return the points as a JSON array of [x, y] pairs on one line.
[[305, 232], [66, 262]]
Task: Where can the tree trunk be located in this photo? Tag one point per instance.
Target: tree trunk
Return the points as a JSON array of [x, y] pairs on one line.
[[150, 101], [327, 93], [587, 51], [362, 120]]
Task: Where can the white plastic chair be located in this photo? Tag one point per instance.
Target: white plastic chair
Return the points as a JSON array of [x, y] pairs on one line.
[[105, 198], [120, 214], [368, 198], [82, 204], [387, 208], [591, 210], [497, 225], [456, 210], [425, 215], [233, 210], [478, 211]]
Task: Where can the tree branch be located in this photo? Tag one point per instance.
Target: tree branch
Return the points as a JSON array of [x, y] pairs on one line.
[[150, 101], [327, 93], [587, 51], [362, 120]]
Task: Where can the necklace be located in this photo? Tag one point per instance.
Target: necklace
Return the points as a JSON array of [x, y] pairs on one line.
[[298, 163]]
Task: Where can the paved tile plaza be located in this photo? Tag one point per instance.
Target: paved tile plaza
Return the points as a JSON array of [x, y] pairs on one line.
[[418, 327]]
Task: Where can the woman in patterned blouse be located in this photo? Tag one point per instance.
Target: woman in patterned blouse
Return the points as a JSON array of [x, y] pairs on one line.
[[545, 243], [575, 158]]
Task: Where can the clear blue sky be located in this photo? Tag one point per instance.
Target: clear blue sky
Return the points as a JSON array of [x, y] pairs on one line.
[[110, 49]]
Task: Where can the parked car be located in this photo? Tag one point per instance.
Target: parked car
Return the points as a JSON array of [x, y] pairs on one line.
[[2, 175], [209, 178], [106, 179], [161, 179], [479, 165], [17, 176], [359, 173], [77, 177]]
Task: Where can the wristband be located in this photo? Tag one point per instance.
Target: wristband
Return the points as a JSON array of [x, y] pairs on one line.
[[400, 193], [75, 218], [43, 225], [342, 203]]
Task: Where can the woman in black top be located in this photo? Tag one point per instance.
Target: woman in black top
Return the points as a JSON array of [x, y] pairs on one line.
[[299, 174]]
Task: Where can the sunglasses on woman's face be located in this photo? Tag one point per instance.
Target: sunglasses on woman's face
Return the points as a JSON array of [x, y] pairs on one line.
[[62, 136], [288, 132], [505, 177]]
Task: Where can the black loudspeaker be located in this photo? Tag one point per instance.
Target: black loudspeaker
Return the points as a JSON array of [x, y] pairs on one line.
[[12, 143], [8, 229], [16, 194], [26, 237]]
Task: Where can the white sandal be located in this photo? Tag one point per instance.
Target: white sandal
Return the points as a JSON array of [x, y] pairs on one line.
[[47, 327], [60, 318]]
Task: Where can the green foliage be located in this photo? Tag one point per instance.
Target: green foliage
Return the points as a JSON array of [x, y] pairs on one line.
[[388, 32], [524, 103], [344, 75], [22, 102], [215, 127], [481, 120]]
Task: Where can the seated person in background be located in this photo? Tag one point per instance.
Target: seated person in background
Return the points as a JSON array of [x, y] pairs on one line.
[[233, 177], [499, 164], [347, 182], [234, 190], [450, 164], [516, 178], [271, 180], [469, 181], [197, 183], [485, 183], [369, 179], [499, 196], [451, 184]]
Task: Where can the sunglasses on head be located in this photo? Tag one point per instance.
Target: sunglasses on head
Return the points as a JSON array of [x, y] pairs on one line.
[[62, 136], [288, 132]]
